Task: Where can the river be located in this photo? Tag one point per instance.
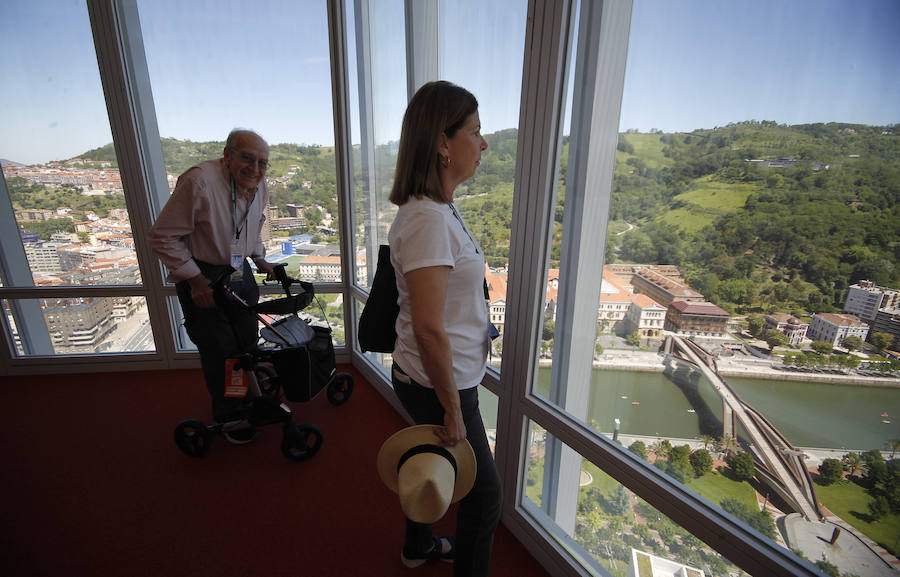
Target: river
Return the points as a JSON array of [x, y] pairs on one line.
[[809, 414]]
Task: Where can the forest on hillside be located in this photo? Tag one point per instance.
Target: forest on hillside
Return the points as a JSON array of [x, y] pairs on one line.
[[758, 216]]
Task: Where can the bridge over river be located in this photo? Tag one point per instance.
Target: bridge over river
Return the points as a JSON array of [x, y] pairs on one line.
[[777, 461]]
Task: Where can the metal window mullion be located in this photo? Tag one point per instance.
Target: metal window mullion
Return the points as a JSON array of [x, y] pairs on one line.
[[596, 101], [536, 160], [343, 146], [126, 87], [15, 272], [422, 43], [363, 33]]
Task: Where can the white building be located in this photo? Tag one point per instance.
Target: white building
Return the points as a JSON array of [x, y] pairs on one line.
[[647, 565], [646, 317], [834, 328], [792, 327], [42, 256], [321, 268], [865, 299]]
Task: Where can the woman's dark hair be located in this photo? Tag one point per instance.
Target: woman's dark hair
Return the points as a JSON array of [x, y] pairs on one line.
[[437, 108]]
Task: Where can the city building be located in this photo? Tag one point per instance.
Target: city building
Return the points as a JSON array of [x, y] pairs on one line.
[[648, 565], [646, 317], [865, 298], [43, 256], [663, 288], [878, 307], [792, 327], [79, 325], [693, 318], [887, 320], [496, 283], [834, 328], [321, 268]]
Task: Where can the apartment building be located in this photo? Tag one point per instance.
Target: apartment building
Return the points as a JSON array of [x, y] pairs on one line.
[[865, 298]]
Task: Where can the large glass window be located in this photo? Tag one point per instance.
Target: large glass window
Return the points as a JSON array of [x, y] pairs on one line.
[[700, 314], [62, 203], [62, 181], [215, 68], [376, 55], [481, 49]]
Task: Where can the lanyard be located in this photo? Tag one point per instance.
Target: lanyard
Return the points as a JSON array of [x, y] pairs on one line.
[[463, 225], [234, 219]]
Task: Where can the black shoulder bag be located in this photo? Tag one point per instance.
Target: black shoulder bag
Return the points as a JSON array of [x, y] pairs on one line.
[[378, 321]]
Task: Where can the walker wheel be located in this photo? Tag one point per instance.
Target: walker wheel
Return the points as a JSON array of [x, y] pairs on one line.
[[340, 389], [301, 442], [267, 380], [193, 438]]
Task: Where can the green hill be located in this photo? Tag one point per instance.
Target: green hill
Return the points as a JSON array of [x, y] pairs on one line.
[[759, 216]]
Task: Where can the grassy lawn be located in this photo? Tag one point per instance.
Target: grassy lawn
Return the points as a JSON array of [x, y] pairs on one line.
[[649, 148], [714, 487], [706, 200], [850, 502]]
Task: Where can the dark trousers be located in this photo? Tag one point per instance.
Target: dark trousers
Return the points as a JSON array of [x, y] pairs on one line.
[[219, 333], [479, 511]]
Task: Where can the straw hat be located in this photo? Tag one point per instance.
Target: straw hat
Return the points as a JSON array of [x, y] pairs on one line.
[[413, 464]]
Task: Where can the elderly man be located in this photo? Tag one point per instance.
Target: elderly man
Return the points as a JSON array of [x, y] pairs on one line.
[[212, 221]]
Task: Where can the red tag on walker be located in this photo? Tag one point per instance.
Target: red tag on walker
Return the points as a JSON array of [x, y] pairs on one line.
[[235, 379]]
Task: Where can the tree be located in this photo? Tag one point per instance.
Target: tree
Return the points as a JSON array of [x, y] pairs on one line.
[[759, 520], [660, 450], [755, 324], [881, 341], [879, 507], [680, 467], [853, 464], [728, 444], [639, 449], [893, 445], [830, 471], [701, 461], [742, 466], [621, 503], [852, 343], [548, 328], [775, 339], [822, 347], [827, 568], [633, 339]]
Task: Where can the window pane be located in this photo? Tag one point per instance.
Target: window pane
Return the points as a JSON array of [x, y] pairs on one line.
[[724, 317], [612, 530], [277, 83], [82, 326], [377, 88], [491, 34], [59, 165]]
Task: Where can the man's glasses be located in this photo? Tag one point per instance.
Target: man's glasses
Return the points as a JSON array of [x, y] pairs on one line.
[[248, 158]]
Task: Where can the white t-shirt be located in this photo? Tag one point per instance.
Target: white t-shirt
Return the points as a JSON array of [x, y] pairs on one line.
[[427, 233]]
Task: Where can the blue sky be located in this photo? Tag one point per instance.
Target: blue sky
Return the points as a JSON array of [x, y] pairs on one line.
[[265, 65]]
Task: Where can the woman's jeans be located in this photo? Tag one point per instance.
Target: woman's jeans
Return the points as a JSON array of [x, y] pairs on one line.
[[479, 511]]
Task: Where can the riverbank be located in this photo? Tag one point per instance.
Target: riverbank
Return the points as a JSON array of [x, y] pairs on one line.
[[737, 366]]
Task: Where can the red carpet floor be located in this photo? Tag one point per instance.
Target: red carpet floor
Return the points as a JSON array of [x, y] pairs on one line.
[[93, 485]]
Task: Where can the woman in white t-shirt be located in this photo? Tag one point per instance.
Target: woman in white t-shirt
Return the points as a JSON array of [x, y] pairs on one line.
[[442, 329]]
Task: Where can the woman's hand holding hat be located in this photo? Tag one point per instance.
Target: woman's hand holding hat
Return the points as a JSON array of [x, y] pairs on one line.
[[453, 431]]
